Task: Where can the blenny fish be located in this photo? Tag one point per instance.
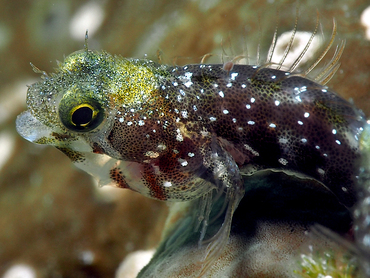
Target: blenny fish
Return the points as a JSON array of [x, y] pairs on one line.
[[179, 133]]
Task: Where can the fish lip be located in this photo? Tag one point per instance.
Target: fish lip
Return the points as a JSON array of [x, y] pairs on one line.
[[31, 128]]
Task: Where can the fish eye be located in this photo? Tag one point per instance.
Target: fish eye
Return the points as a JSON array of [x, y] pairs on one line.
[[80, 113]]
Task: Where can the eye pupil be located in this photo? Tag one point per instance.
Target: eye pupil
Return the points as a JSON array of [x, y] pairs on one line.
[[81, 112], [82, 116]]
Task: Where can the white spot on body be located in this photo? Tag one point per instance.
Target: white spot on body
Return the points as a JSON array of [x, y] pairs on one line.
[[188, 74], [204, 133], [320, 171], [179, 136], [161, 147], [283, 161], [183, 162], [167, 184], [234, 75], [283, 140], [184, 114], [188, 84], [152, 154]]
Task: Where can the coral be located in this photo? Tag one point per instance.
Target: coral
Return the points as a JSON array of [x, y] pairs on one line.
[[327, 264]]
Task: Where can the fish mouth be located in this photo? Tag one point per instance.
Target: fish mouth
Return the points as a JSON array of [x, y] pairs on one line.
[[31, 129]]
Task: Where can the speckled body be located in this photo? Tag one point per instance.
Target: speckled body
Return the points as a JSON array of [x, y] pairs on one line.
[[272, 119], [264, 118], [178, 133]]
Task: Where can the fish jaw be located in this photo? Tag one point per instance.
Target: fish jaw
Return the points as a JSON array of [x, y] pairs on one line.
[[31, 129]]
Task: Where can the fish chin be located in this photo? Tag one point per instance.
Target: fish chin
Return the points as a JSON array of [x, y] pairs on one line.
[[32, 129]]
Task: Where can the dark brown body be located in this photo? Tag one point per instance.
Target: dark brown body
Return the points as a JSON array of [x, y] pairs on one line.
[[267, 118]]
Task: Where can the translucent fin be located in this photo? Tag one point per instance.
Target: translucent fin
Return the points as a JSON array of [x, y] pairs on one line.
[[219, 241], [205, 57], [272, 46], [300, 57], [229, 184], [323, 54], [289, 46], [259, 42], [203, 215], [245, 52], [328, 72]]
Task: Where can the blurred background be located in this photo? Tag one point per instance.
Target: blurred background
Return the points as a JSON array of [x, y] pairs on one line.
[[54, 221]]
